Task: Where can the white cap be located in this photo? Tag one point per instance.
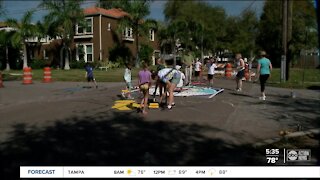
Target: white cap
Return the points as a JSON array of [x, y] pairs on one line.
[[178, 67]]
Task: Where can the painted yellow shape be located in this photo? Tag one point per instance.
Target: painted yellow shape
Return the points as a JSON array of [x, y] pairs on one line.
[[125, 101], [124, 108], [135, 105], [118, 106], [125, 91], [153, 104], [153, 107]]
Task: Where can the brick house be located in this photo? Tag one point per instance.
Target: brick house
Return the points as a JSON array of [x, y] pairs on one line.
[[94, 42]]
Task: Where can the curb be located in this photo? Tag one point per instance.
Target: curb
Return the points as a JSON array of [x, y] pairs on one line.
[[291, 135]]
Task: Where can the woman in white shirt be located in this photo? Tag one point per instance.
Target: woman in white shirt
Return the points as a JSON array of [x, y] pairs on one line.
[[211, 67]]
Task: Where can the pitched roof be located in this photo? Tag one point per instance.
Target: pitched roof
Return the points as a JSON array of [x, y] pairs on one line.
[[116, 13]]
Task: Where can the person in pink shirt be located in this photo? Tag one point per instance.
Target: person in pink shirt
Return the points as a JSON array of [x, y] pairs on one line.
[[144, 77]]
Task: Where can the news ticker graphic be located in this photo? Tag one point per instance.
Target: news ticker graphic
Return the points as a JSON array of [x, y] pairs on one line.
[[289, 155], [169, 172]]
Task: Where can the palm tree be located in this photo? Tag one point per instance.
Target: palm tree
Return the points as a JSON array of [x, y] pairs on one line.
[[64, 15], [137, 10], [172, 34], [6, 41], [23, 31]]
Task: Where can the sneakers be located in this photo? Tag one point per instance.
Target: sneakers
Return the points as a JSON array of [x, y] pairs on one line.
[[239, 89], [173, 104], [262, 98], [169, 107]]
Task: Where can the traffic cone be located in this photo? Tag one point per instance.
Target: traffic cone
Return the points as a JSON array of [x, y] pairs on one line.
[[27, 75], [47, 75]]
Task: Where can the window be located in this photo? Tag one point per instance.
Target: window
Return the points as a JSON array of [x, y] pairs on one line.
[[109, 26], [45, 55], [85, 52], [89, 26], [151, 35], [89, 53], [87, 29], [127, 34]]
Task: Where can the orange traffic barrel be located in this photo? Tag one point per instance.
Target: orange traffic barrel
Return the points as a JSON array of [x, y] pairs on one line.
[[46, 74], [27, 75], [228, 70], [1, 82]]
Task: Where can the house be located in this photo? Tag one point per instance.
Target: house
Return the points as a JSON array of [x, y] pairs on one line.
[[95, 41]]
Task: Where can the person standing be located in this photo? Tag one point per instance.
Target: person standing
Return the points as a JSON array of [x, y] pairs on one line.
[[187, 61], [264, 71], [128, 79], [89, 74], [144, 77], [240, 66], [211, 67], [197, 70]]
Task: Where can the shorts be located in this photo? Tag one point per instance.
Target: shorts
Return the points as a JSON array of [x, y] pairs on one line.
[[129, 85], [90, 78], [240, 74], [176, 78], [196, 73], [144, 87], [210, 76]]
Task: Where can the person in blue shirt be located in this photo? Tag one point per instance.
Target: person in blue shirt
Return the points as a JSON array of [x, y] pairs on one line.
[[89, 74], [264, 71]]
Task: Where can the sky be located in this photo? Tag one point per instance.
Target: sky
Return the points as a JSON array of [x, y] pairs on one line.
[[16, 8]]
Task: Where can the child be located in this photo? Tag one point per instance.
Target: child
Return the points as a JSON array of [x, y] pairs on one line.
[[89, 74], [144, 84], [180, 84], [128, 79], [211, 66]]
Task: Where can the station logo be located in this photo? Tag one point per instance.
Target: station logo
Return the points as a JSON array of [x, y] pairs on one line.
[[298, 155]]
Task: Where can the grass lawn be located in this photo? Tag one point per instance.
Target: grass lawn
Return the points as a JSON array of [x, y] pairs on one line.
[[77, 75], [311, 76]]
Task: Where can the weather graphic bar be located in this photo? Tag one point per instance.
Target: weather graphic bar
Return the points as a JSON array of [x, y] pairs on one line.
[[169, 172]]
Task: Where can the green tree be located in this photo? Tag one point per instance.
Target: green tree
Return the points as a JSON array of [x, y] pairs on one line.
[[241, 33], [137, 10], [270, 29], [108, 4], [63, 16], [6, 42], [171, 35], [205, 23], [23, 31]]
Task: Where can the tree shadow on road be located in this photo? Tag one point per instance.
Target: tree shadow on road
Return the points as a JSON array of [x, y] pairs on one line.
[[120, 139]]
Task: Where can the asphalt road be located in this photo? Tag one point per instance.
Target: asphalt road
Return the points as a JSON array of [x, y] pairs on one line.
[[66, 123]]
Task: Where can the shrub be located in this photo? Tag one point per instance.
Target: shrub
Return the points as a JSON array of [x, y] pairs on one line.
[[77, 64], [145, 53], [120, 54], [38, 63]]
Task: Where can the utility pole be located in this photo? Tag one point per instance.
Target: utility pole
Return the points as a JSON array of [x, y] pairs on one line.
[[284, 40], [289, 38]]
